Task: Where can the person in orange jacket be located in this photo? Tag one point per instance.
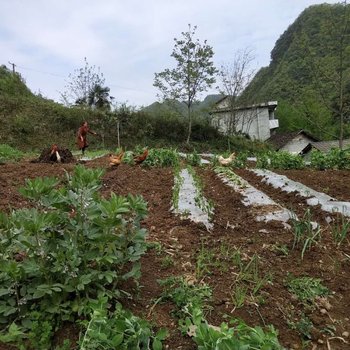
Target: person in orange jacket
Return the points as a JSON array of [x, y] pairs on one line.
[[82, 136]]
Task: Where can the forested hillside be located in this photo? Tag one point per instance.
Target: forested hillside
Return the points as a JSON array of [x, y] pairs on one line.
[[309, 73], [31, 122]]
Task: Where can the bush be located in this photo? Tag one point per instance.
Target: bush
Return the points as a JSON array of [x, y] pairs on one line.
[[9, 153], [72, 246]]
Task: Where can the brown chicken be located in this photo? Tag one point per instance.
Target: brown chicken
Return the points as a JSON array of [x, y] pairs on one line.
[[115, 160], [139, 159], [54, 155]]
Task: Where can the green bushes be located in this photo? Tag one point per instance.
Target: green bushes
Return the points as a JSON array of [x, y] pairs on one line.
[[280, 160], [9, 153], [70, 247], [335, 159]]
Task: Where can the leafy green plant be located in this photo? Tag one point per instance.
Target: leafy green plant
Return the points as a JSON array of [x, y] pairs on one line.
[[237, 180], [240, 160], [118, 330], [70, 246], [162, 157], [306, 288], [280, 160], [234, 336], [263, 161], [178, 181], [206, 205], [334, 159], [193, 159], [303, 326], [9, 153]]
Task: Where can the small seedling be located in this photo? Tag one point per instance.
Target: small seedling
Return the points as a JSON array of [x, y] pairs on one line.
[[167, 262]]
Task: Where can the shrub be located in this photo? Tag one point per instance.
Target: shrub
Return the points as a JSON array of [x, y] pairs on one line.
[[72, 246]]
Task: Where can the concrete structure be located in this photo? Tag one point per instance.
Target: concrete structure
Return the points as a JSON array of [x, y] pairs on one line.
[[296, 142], [257, 121]]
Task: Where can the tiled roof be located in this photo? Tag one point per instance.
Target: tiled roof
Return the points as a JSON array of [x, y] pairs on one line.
[[279, 140], [326, 146]]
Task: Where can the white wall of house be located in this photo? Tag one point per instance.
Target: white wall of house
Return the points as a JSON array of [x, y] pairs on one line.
[[296, 145], [253, 121]]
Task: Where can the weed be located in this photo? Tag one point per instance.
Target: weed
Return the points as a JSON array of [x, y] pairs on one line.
[[281, 249], [157, 246], [185, 294], [167, 262], [303, 326], [238, 295], [204, 261], [306, 289]]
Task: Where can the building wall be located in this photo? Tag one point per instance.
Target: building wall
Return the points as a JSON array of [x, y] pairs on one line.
[[254, 122], [297, 144]]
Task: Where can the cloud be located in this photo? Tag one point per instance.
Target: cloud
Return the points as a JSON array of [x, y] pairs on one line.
[[131, 40]]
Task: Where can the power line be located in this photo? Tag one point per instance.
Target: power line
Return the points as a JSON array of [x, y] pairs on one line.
[[64, 77], [42, 72]]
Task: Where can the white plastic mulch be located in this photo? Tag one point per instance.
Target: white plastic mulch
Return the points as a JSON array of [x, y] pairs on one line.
[[265, 207], [327, 203], [187, 204]]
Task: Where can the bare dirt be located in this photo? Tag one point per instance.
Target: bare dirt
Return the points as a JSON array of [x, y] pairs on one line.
[[235, 229]]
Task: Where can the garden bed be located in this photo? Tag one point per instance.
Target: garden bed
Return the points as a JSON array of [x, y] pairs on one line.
[[183, 248]]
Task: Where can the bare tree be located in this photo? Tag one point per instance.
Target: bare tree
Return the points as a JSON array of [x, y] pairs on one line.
[[234, 77], [82, 84]]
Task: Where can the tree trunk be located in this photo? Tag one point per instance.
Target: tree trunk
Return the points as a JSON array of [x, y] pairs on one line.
[[189, 124], [118, 134]]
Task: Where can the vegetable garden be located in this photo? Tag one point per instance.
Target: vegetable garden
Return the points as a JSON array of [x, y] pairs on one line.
[[94, 257]]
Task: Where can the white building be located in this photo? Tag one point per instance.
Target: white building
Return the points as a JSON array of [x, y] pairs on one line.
[[295, 142], [257, 120]]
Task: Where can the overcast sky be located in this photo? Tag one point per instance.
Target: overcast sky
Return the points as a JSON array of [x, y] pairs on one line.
[[130, 40]]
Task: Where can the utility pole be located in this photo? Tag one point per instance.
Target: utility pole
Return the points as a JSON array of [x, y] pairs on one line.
[[13, 67]]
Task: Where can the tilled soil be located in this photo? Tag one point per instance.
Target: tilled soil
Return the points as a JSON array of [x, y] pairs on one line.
[[210, 256]]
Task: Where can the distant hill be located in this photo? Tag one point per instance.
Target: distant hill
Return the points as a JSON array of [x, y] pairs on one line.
[[178, 108], [303, 72]]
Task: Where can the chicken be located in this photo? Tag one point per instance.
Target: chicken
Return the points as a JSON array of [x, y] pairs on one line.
[[139, 159], [117, 159], [54, 155], [227, 161]]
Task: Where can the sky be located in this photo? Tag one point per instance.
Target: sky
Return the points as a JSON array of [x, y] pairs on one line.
[[131, 40]]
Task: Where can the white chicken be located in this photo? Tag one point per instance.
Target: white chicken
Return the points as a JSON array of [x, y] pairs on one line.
[[227, 161]]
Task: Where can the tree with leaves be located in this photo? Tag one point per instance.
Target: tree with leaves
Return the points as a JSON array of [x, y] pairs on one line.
[[85, 88], [99, 98], [234, 77], [194, 72]]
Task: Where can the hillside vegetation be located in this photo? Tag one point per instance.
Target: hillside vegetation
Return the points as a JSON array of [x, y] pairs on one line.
[[304, 73], [31, 122]]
